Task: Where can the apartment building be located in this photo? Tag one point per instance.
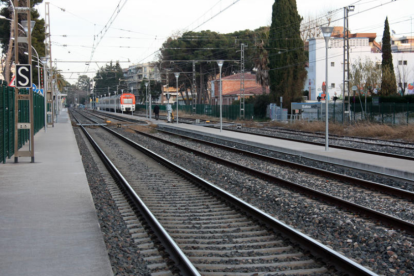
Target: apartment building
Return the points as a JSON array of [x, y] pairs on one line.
[[138, 72]]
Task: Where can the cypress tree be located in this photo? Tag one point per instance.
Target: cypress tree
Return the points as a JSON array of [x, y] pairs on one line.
[[286, 53], [388, 82]]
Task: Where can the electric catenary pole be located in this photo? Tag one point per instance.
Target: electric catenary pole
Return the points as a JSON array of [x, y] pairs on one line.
[[345, 90], [23, 77], [242, 103], [194, 92]]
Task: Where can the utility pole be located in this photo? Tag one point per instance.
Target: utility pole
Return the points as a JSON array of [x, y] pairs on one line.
[[242, 102], [48, 52], [20, 126], [346, 84], [194, 92], [56, 93]]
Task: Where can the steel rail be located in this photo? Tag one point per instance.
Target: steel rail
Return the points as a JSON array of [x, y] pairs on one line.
[[353, 180], [411, 158], [341, 262], [383, 218], [175, 253]]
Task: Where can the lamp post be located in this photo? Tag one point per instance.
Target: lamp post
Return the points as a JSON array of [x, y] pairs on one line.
[[327, 31], [109, 96], [220, 64], [115, 101], [146, 99], [176, 78], [122, 91], [44, 62]]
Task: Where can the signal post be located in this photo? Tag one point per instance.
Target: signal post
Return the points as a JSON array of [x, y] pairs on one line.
[[23, 80]]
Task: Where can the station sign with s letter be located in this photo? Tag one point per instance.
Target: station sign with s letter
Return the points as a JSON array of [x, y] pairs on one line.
[[23, 76]]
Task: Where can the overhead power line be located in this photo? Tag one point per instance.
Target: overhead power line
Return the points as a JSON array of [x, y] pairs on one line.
[[105, 29], [213, 16]]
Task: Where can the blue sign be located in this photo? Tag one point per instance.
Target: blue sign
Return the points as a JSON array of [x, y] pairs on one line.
[[34, 87]]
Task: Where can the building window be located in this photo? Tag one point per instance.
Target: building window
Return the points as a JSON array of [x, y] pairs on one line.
[[332, 85], [405, 62], [332, 64]]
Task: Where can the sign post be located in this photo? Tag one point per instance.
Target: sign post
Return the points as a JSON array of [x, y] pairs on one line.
[[23, 80]]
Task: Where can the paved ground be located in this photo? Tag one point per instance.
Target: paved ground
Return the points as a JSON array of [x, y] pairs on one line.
[[48, 223]]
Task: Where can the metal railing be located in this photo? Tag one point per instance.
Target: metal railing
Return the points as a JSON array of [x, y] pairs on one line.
[[8, 120], [230, 112], [383, 113]]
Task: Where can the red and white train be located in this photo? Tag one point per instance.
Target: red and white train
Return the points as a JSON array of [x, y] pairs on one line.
[[123, 102]]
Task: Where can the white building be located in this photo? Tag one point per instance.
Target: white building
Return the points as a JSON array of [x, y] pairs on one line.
[[138, 72], [360, 48]]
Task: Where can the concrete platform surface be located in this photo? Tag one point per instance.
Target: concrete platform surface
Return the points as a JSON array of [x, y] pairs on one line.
[[48, 222]]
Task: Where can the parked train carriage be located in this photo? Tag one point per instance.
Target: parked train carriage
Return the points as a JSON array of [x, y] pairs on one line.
[[124, 102]]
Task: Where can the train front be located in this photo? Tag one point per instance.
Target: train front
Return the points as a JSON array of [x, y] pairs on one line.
[[127, 102]]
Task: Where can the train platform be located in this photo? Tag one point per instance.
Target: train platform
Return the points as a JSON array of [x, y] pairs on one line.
[[48, 222], [387, 165]]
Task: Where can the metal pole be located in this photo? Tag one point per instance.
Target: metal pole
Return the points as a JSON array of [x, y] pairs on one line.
[[242, 95], [221, 105], [326, 100], [177, 75], [115, 100], [177, 96], [120, 103], [56, 96], [45, 91], [146, 100], [327, 31], [194, 92]]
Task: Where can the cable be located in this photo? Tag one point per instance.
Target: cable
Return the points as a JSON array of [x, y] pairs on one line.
[[107, 26], [226, 8]]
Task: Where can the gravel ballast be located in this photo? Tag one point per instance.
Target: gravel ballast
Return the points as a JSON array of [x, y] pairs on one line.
[[123, 253]]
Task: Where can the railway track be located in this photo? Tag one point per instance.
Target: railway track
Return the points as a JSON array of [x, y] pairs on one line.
[[241, 149], [210, 230], [384, 218]]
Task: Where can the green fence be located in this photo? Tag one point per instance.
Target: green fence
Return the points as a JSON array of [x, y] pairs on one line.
[[230, 112], [383, 113], [7, 119]]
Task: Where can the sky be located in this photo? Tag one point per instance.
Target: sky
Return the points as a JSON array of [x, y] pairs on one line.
[[139, 27]]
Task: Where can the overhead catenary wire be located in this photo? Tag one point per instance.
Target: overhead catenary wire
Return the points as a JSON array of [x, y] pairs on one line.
[[111, 20]]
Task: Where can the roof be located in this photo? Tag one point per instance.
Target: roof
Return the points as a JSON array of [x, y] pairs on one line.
[[339, 32], [377, 45], [247, 76], [249, 90]]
